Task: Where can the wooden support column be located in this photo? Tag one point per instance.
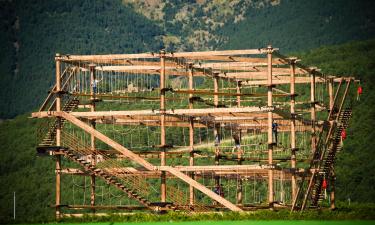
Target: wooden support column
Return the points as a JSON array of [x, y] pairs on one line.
[[216, 129], [293, 158], [58, 137], [238, 90], [191, 134], [313, 112], [330, 93], [163, 187], [333, 176], [270, 121], [93, 125], [332, 190], [240, 151]]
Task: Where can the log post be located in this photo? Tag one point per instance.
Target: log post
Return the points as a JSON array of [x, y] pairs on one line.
[[313, 111], [216, 128], [238, 91], [58, 137], [191, 134], [240, 151], [330, 93], [332, 189], [270, 121], [163, 187], [92, 137], [293, 158]]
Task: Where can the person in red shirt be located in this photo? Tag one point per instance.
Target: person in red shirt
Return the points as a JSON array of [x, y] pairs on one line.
[[359, 93], [343, 136]]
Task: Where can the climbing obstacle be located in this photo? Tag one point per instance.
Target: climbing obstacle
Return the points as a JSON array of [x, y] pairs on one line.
[[194, 131]]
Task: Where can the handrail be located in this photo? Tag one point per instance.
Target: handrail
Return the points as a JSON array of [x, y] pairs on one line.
[[51, 92], [334, 100], [344, 96], [63, 87]]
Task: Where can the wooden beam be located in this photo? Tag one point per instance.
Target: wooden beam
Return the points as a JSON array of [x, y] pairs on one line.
[[126, 152], [270, 131], [163, 80], [195, 112], [191, 135], [92, 138], [298, 80], [201, 187], [58, 138], [293, 160], [68, 58], [217, 53]]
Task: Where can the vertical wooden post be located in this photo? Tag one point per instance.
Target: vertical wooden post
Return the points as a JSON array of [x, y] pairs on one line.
[[293, 127], [163, 187], [58, 136], [332, 190], [240, 151], [238, 90], [270, 121], [93, 124], [333, 176], [330, 93], [313, 112], [216, 129], [191, 134]]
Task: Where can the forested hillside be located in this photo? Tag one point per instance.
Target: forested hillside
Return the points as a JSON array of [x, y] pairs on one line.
[[33, 31], [32, 177], [295, 25], [43, 28]]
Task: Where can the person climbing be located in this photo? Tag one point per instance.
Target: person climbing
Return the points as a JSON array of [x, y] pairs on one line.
[[237, 142], [94, 85], [343, 136], [221, 190], [359, 92], [324, 186], [217, 140], [217, 189], [274, 132]]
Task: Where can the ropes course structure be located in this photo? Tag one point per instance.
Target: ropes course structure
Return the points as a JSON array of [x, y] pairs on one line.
[[193, 131]]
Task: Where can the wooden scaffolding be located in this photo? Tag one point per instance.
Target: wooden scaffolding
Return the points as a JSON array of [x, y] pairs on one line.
[[234, 106]]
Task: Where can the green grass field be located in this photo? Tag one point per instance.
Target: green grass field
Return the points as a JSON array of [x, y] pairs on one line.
[[243, 222]]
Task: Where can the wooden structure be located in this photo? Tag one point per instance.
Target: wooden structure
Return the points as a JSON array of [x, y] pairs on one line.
[[254, 119]]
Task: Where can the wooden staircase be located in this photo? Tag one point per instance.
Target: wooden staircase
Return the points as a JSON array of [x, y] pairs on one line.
[[134, 186], [323, 159], [49, 138], [328, 162]]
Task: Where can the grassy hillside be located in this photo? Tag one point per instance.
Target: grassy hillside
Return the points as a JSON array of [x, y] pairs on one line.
[[32, 177]]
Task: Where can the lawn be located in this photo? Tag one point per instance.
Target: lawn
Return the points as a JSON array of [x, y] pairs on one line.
[[242, 222]]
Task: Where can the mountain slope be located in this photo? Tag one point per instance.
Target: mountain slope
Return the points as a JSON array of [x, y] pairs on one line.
[[68, 27], [36, 30], [295, 25]]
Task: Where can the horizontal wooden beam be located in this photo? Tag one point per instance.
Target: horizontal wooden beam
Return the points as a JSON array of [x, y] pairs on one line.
[[156, 55], [193, 112], [299, 80]]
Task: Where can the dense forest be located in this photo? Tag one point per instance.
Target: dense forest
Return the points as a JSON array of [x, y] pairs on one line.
[[33, 31], [43, 28]]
